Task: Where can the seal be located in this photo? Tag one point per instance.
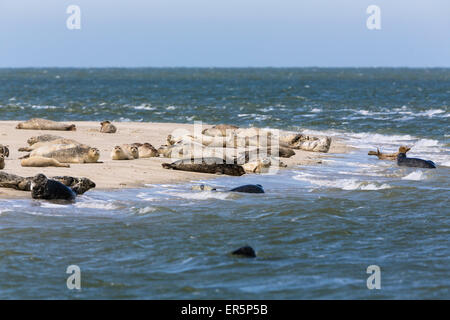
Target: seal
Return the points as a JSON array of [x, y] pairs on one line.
[[146, 150], [203, 187], [403, 161], [2, 162], [107, 127], [78, 185], [4, 151], [44, 124], [389, 156], [219, 130], [118, 153], [42, 162], [249, 188], [304, 142], [131, 149], [206, 165], [47, 189], [42, 138], [246, 251], [68, 153], [38, 145]]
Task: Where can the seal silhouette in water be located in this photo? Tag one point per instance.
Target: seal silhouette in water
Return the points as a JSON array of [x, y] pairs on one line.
[[403, 161], [249, 188], [246, 251], [43, 188]]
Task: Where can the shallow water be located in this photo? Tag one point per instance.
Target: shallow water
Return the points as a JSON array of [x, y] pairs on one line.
[[315, 230]]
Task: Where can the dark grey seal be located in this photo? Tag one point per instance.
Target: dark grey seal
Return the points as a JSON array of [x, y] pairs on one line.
[[403, 161], [249, 188], [206, 165], [246, 251], [47, 189]]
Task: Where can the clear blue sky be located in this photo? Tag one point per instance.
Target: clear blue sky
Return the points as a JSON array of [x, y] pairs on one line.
[[224, 33]]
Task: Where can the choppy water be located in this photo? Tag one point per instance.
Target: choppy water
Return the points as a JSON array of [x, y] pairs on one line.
[[315, 230]]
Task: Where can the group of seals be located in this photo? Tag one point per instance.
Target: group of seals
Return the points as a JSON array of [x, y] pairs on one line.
[[44, 124], [133, 151]]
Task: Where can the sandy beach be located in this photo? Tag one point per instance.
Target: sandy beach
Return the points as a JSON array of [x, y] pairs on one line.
[[119, 174]]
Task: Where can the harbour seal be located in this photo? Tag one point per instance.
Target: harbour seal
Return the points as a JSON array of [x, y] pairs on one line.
[[206, 165], [42, 162], [42, 138], [48, 189], [131, 149], [304, 142], [389, 156], [146, 150], [4, 150], [69, 154], [246, 251], [249, 188], [219, 130], [2, 162], [78, 185], [118, 153], [44, 124], [403, 161], [37, 145], [107, 127]]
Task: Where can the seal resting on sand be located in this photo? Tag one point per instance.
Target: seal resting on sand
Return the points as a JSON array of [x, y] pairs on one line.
[[63, 141], [119, 153], [219, 130], [389, 156], [42, 162], [4, 150], [107, 127], [246, 251], [146, 150], [249, 188], [131, 149], [68, 153], [78, 185], [47, 189], [44, 124], [42, 138], [2, 162], [206, 165], [403, 161]]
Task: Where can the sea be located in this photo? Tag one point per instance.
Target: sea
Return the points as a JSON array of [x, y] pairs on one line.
[[319, 231]]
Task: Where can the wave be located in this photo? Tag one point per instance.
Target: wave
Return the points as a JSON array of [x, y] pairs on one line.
[[344, 184], [415, 176]]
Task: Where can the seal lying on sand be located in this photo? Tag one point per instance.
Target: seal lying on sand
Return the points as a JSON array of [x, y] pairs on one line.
[[38, 145], [2, 162], [4, 151], [107, 127], [146, 150], [44, 124], [42, 162], [206, 165], [131, 149], [47, 189], [219, 130], [119, 153], [68, 153], [78, 185], [389, 156], [42, 138], [403, 161]]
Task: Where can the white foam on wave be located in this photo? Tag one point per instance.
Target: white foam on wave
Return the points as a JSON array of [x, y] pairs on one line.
[[344, 184], [203, 195], [52, 205], [97, 204], [144, 107], [415, 176], [146, 210]]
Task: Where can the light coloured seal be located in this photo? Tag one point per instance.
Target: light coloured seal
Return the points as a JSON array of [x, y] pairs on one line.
[[74, 154], [49, 143], [2, 162], [44, 124], [42, 138], [107, 127], [118, 153], [42, 162]]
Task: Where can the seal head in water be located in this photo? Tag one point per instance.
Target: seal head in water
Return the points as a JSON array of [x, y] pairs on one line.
[[246, 251]]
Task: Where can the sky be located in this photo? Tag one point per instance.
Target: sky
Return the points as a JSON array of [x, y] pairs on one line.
[[224, 33]]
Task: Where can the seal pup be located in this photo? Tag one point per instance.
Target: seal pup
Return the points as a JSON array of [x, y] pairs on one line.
[[403, 161], [118, 153], [107, 127], [249, 188], [246, 251], [206, 165], [146, 150], [42, 162], [2, 162], [69, 154], [47, 189], [42, 138], [389, 156], [4, 150], [44, 124]]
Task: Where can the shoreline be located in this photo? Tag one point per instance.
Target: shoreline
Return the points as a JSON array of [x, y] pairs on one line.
[[113, 174]]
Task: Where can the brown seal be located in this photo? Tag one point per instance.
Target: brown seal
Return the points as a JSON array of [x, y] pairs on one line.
[[107, 127], [44, 124]]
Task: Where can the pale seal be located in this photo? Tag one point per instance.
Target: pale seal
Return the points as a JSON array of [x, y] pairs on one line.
[[44, 124], [42, 162], [107, 127], [63, 141], [47, 189], [118, 153], [42, 138], [69, 154]]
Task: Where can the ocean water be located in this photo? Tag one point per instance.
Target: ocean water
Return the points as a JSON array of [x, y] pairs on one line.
[[315, 230]]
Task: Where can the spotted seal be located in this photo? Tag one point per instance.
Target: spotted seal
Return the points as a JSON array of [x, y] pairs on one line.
[[4, 151], [119, 153], [42, 138], [206, 165], [107, 127], [48, 189], [42, 162]]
